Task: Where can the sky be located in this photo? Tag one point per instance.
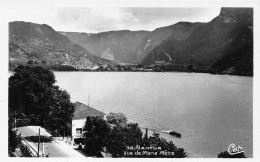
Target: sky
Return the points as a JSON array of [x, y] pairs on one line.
[[101, 19]]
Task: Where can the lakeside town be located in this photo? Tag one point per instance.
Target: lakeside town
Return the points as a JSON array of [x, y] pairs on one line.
[[159, 66]]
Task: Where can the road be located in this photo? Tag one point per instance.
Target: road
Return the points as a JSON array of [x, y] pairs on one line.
[[32, 131], [54, 148], [57, 149]]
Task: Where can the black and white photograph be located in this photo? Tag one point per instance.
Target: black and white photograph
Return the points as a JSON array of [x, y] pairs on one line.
[[100, 80]]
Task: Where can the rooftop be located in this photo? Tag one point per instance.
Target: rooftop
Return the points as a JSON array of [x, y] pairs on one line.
[[83, 111]]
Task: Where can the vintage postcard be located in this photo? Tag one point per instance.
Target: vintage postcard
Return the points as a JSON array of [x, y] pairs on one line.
[[163, 79]]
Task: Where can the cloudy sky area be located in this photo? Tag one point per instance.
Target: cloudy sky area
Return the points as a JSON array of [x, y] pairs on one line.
[[93, 20]]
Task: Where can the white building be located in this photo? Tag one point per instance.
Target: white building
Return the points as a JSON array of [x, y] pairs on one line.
[[82, 112]]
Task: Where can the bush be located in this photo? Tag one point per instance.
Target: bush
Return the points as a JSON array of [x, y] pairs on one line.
[[13, 140], [35, 139], [225, 154], [25, 151]]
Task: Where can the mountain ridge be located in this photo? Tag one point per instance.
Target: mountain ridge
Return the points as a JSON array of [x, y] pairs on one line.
[[120, 43], [207, 43], [184, 45], [99, 43], [42, 44]]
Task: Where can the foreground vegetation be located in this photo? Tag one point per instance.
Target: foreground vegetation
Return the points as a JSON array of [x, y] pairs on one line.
[[35, 100], [225, 154], [122, 139]]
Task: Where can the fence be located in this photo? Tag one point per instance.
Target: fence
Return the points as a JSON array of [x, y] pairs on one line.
[[31, 150]]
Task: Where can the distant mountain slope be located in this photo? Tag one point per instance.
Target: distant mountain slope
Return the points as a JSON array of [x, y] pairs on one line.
[[113, 45], [178, 31], [76, 37], [238, 55], [41, 43], [129, 46], [227, 39]]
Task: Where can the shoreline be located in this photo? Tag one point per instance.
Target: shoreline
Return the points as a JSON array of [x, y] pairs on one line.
[[179, 72]]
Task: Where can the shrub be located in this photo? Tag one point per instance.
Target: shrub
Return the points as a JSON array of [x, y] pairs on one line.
[[225, 154], [25, 151], [13, 140]]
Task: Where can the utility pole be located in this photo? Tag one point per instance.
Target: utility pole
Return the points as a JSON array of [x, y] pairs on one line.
[[43, 148], [39, 143]]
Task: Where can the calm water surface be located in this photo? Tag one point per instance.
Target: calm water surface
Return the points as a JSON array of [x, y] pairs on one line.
[[210, 111]]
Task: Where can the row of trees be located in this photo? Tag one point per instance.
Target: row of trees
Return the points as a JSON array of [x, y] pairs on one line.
[[55, 67], [115, 134]]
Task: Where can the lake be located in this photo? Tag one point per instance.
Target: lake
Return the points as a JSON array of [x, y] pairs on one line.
[[210, 111]]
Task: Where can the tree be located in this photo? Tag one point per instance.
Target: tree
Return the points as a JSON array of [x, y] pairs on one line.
[[32, 92], [225, 154], [133, 134], [30, 62], [116, 142], [96, 133], [117, 119], [60, 111], [123, 136]]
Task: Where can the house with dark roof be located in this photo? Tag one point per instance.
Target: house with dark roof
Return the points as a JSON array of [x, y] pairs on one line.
[[82, 112]]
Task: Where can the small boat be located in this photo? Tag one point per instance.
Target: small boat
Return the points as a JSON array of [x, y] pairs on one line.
[[176, 134]]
